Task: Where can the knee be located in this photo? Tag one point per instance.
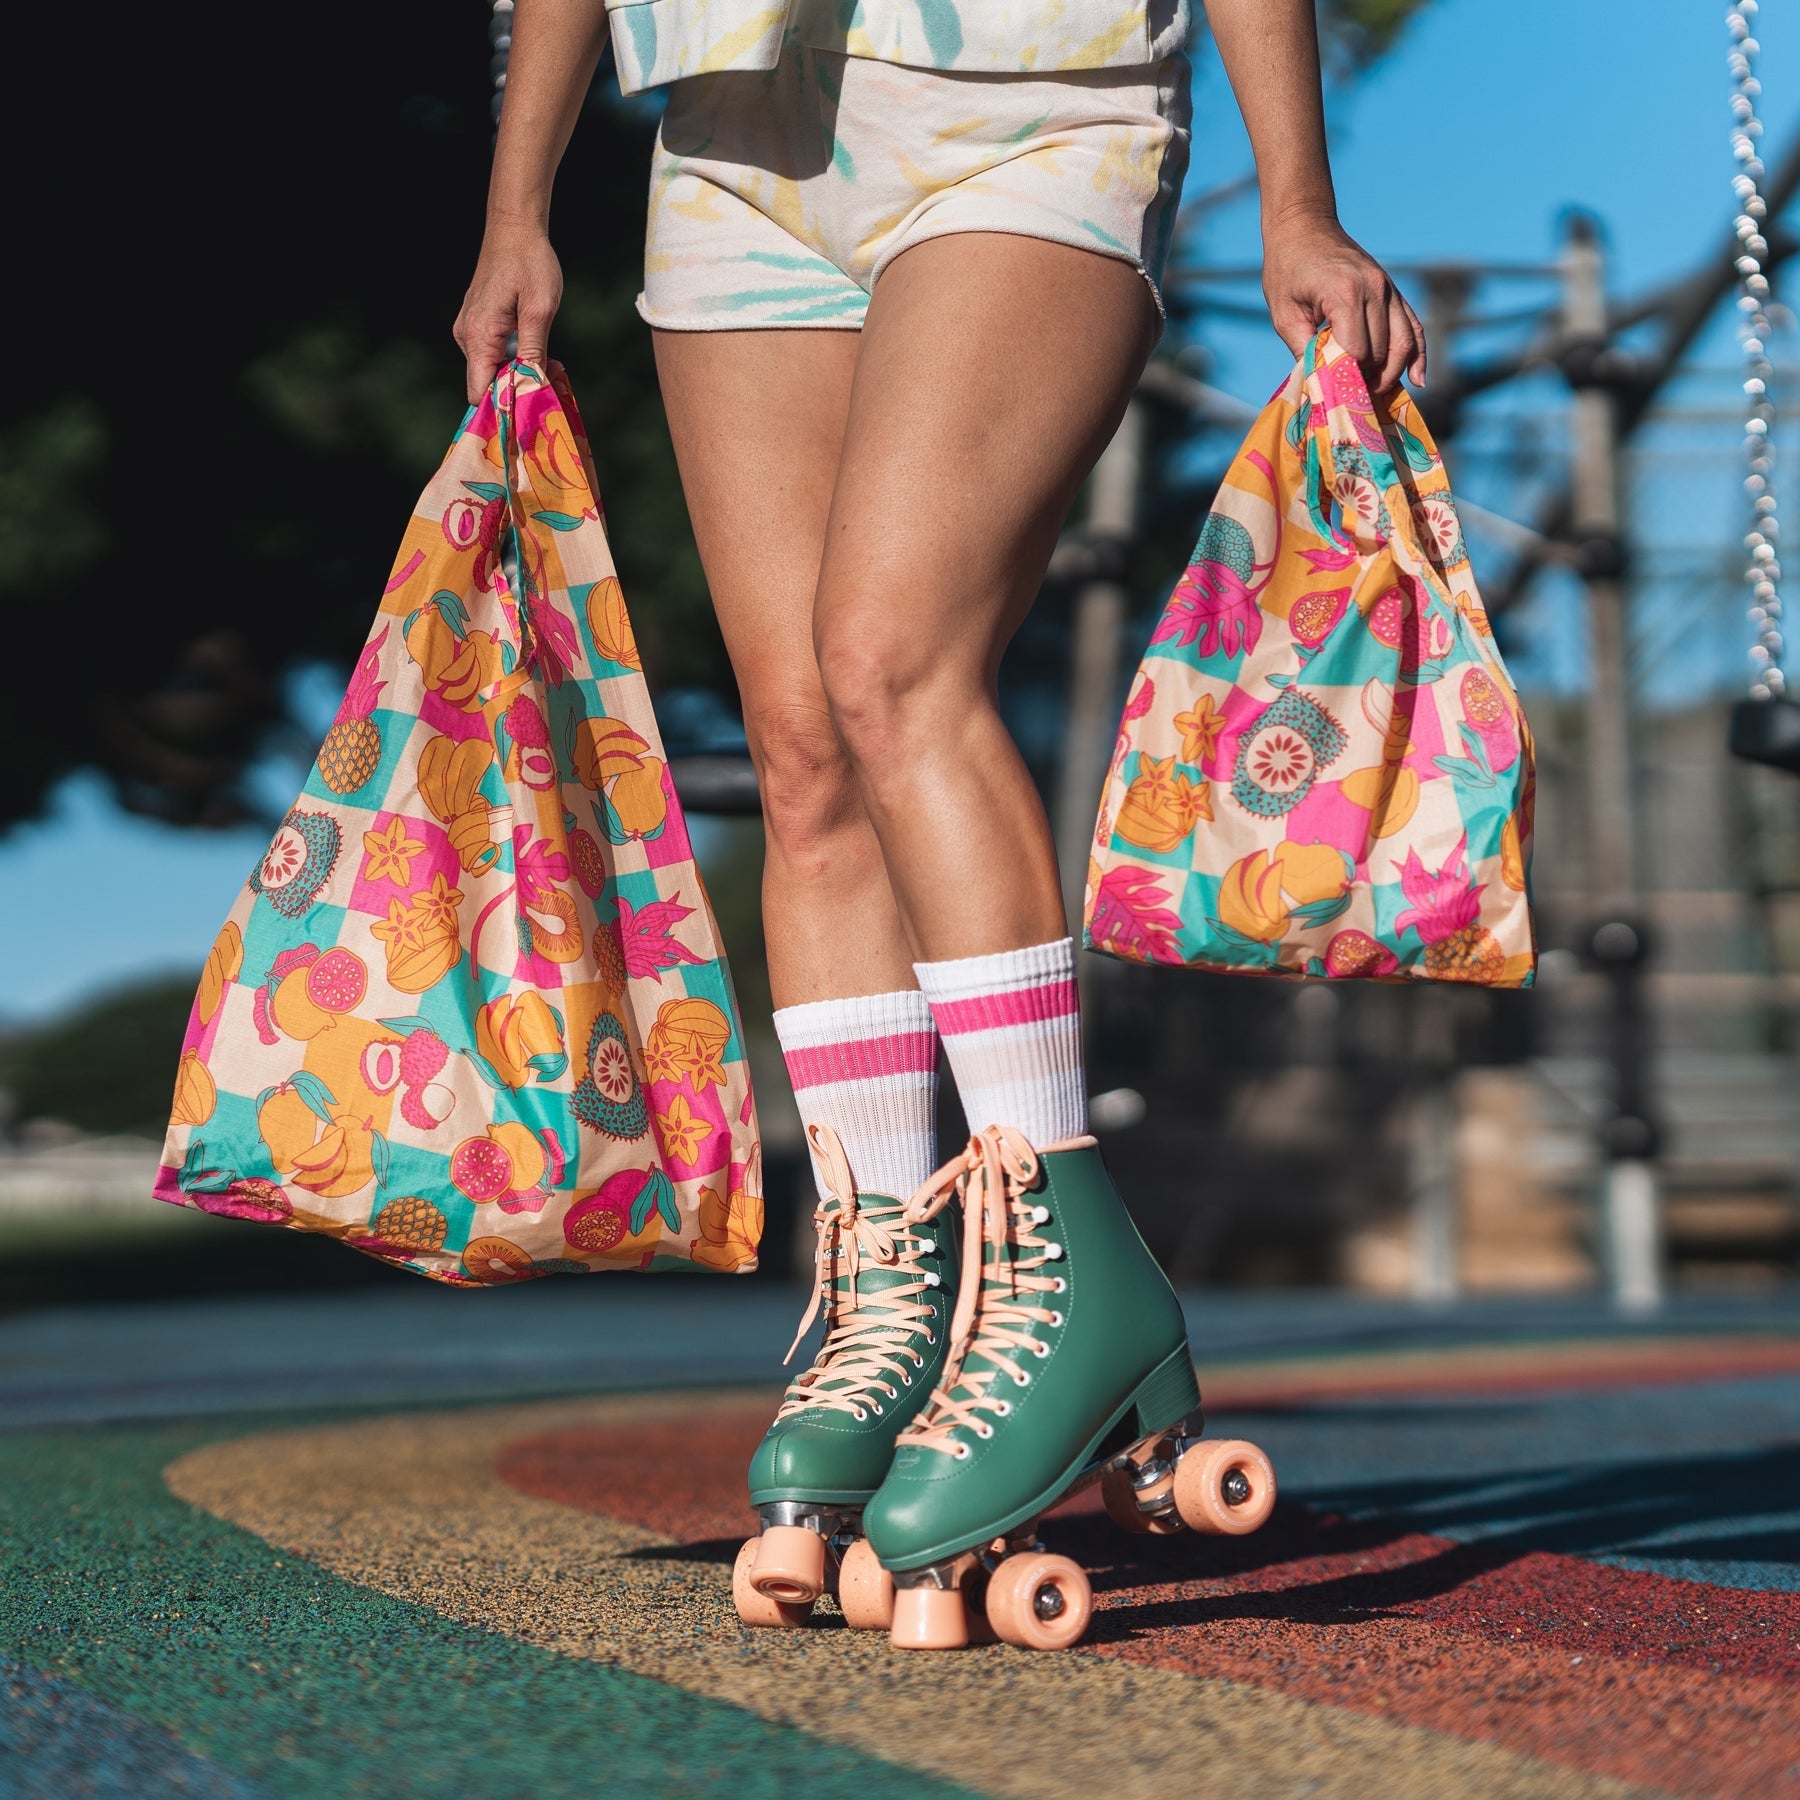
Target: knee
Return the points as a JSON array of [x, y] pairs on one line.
[[808, 789], [882, 688]]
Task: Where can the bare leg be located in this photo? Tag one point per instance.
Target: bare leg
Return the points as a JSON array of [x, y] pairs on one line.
[[758, 423], [992, 371]]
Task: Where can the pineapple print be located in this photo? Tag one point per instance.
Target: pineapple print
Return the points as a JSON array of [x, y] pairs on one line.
[[351, 752], [411, 1224], [1446, 907]]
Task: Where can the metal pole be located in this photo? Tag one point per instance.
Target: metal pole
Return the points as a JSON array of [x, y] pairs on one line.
[[1099, 627], [1432, 1163], [1630, 1213]]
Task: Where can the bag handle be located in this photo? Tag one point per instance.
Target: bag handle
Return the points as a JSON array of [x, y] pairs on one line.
[[1341, 419], [505, 393]]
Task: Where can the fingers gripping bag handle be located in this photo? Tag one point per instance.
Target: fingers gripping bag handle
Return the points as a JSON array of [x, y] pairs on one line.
[[471, 1013], [1322, 769]]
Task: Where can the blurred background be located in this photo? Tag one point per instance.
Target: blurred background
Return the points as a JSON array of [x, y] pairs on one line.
[[205, 466]]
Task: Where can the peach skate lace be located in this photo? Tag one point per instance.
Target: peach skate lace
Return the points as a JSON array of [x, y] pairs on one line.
[[1002, 1270], [867, 1341]]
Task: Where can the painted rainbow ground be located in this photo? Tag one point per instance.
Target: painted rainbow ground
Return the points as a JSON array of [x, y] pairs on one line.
[[423, 1544]]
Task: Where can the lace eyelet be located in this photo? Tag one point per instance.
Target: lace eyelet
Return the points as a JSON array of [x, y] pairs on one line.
[[1021, 1380], [1040, 1349], [1040, 1215], [1002, 1408], [963, 1452], [858, 1414], [932, 1280], [1053, 1252], [1056, 1319], [878, 1412], [1061, 1287], [928, 1245], [906, 1381], [984, 1432]]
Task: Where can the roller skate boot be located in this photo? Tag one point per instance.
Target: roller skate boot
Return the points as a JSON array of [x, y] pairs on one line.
[[1068, 1365], [884, 1284]]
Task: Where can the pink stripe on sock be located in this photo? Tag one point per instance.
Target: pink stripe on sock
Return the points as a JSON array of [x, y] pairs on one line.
[[862, 1059], [994, 1012]]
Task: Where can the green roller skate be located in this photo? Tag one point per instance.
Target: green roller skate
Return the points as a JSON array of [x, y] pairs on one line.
[[1068, 1364], [884, 1284]]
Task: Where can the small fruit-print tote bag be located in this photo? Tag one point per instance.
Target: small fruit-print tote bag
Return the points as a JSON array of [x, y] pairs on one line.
[[470, 1013], [1322, 768]]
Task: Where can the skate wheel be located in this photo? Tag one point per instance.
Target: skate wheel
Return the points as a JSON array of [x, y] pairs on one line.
[[1039, 1602], [972, 1584], [789, 1565], [1121, 1502], [758, 1609], [1224, 1486], [865, 1590], [929, 1618]]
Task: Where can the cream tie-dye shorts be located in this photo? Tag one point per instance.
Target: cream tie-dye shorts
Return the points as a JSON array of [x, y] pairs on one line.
[[777, 199]]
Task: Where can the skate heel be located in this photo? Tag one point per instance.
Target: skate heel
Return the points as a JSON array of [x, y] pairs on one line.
[[1168, 1394]]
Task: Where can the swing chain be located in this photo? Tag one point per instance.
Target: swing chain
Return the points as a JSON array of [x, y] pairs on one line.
[[1762, 571]]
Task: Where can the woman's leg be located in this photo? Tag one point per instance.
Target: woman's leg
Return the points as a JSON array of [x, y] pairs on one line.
[[758, 422], [993, 370]]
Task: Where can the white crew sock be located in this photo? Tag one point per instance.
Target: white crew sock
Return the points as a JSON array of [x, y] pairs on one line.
[[1011, 1025], [867, 1067]]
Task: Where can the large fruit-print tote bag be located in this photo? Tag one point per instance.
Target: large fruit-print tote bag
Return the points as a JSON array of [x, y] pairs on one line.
[[1323, 769], [471, 1013]]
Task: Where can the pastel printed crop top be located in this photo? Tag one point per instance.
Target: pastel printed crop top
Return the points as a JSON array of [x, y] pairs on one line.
[[656, 41]]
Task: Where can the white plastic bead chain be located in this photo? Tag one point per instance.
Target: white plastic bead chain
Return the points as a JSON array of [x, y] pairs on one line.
[[1763, 567]]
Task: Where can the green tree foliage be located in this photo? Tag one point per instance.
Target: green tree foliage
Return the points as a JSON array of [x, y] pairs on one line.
[[109, 1068], [241, 372]]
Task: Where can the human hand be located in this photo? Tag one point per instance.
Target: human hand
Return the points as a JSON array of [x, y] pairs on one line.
[[517, 287], [1315, 273]]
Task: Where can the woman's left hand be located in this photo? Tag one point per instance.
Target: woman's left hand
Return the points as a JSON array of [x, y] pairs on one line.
[[1315, 273]]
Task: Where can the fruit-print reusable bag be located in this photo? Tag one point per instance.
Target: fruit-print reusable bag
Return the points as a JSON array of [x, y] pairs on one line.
[[1322, 768], [470, 1013]]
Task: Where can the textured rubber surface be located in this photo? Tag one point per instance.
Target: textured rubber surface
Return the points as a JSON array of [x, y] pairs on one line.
[[245, 1666], [1535, 1565]]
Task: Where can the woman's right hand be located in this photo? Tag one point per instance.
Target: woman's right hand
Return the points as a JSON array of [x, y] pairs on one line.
[[517, 287]]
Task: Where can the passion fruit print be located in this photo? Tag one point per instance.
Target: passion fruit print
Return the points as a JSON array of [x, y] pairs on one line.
[[423, 1029], [337, 982], [1322, 769]]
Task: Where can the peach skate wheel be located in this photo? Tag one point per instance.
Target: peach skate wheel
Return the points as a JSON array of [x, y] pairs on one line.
[[1224, 1486], [929, 1618], [789, 1565], [757, 1609], [1121, 1501], [972, 1584], [865, 1590], [1039, 1602]]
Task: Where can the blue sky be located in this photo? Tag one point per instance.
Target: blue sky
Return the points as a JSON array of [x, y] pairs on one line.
[[1469, 142]]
